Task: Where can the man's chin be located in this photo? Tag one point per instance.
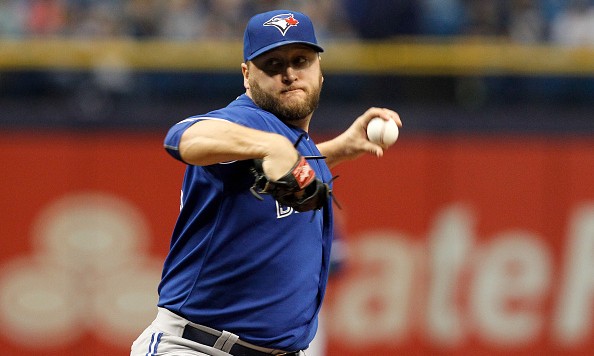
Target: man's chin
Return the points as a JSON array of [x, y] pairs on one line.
[[290, 106]]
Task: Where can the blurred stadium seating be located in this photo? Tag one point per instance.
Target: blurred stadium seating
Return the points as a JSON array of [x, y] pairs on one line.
[[148, 63]]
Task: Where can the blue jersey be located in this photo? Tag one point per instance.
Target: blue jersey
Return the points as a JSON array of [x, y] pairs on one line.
[[251, 267]]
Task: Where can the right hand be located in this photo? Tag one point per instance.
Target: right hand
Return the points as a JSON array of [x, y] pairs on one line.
[[280, 158]]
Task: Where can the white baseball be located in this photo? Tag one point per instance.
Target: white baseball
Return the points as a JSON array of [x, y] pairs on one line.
[[382, 132]]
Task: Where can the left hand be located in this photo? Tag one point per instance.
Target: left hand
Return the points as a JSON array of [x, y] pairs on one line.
[[353, 142]]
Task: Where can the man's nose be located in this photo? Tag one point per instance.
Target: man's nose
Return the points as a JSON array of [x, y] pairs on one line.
[[289, 75]]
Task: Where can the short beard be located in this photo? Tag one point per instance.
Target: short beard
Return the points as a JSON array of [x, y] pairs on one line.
[[284, 111]]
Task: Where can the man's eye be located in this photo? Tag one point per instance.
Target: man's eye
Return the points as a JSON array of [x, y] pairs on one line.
[[300, 61], [273, 63]]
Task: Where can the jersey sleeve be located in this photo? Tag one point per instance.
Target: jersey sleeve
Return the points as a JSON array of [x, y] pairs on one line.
[[240, 115], [175, 133]]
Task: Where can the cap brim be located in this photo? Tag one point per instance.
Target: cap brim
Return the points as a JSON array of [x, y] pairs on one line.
[[282, 43]]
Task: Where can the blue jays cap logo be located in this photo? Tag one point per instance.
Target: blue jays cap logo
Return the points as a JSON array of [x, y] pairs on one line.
[[259, 37], [282, 22]]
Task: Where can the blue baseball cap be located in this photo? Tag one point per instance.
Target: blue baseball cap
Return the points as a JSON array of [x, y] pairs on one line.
[[273, 29]]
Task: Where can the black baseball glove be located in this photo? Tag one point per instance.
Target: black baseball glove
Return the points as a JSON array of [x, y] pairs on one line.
[[299, 189]]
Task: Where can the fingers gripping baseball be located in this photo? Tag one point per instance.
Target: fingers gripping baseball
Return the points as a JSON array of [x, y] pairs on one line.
[[380, 127], [357, 135]]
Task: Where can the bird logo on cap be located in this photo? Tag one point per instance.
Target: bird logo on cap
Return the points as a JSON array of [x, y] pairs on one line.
[[282, 22]]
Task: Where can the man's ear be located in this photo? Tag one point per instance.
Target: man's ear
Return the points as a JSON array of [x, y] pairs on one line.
[[246, 74]]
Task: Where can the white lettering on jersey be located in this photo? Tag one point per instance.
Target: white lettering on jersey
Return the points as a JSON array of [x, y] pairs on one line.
[[283, 211]]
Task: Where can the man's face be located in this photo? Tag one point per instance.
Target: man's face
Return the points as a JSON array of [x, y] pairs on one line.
[[286, 81]]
